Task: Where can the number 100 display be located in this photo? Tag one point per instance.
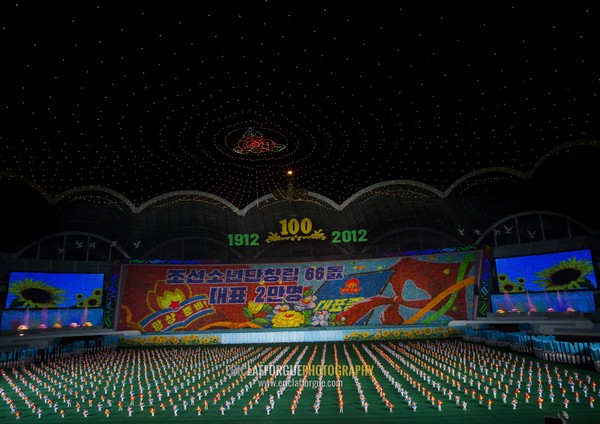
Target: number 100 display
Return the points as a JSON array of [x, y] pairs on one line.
[[290, 228]]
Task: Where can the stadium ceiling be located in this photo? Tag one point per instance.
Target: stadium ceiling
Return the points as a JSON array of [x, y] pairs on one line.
[[224, 97]]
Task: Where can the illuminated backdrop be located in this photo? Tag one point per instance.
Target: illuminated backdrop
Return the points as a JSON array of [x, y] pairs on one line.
[[424, 289]]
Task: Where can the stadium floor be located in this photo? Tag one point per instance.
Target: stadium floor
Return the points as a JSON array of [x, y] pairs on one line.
[[400, 369]]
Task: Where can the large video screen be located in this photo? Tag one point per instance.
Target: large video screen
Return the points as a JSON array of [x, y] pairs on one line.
[[48, 290], [421, 289], [562, 271]]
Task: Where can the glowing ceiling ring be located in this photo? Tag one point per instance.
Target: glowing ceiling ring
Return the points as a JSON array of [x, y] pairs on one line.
[[255, 143]]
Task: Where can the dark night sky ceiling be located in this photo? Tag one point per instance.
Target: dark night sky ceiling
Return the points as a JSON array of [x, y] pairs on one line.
[[147, 98]]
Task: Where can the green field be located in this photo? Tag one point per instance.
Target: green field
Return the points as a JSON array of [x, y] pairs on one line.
[[415, 366]]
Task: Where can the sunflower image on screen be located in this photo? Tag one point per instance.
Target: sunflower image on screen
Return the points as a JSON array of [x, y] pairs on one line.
[[35, 294], [92, 301], [508, 286], [566, 275]]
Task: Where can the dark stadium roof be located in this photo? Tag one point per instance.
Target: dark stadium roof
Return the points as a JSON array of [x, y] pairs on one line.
[[222, 97], [158, 129]]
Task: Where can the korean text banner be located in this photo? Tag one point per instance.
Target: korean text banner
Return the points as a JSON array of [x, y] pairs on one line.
[[432, 288]]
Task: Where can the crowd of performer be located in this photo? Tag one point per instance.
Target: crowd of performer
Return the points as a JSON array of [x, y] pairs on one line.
[[404, 376]]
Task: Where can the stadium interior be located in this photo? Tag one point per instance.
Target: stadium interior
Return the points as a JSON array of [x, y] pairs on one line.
[[235, 210]]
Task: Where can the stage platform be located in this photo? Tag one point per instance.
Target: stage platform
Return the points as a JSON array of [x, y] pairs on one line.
[[532, 324], [539, 323], [46, 337], [43, 338]]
